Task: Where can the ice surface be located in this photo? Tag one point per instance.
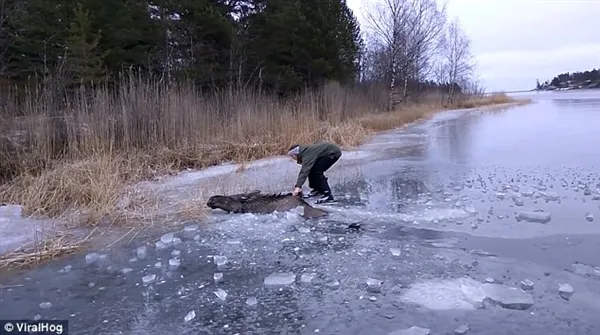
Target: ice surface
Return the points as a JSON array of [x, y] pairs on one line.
[[280, 278], [533, 216], [189, 316], [17, 231]]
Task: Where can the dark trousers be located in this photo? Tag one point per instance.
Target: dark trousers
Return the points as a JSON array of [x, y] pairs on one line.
[[316, 179]]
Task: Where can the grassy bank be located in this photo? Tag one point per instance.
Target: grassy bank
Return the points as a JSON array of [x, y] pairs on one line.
[[58, 155]]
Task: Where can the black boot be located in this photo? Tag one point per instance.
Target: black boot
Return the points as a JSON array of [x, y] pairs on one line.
[[326, 198], [313, 193]]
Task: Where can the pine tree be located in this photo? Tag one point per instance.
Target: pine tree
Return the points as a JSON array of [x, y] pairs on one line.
[[83, 56]]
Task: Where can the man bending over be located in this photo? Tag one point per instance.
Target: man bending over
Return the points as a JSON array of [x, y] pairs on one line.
[[315, 160]]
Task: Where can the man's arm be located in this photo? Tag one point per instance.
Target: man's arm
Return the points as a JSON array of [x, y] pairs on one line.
[[305, 170]]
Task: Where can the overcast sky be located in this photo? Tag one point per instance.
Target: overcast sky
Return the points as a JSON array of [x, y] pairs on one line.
[[517, 41]]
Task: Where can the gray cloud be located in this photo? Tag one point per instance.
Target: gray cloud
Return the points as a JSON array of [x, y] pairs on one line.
[[517, 41]]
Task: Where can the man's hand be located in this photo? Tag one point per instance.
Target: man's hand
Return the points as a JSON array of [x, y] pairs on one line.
[[297, 190]]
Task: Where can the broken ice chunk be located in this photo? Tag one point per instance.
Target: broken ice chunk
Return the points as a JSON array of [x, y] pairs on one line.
[[190, 316], [218, 277], [414, 330], [374, 285], [565, 291], [174, 263], [280, 278], [519, 201], [92, 258], [126, 270], [148, 279], [141, 252], [550, 196], [527, 192], [252, 301], [157, 264], [176, 240], [167, 238], [527, 284], [190, 228], [396, 251], [45, 305], [589, 217], [307, 277], [461, 330], [333, 284], [508, 297], [220, 261], [532, 216], [175, 253], [304, 230], [221, 294]]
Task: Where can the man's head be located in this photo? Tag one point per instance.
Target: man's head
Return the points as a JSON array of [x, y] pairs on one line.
[[294, 152]]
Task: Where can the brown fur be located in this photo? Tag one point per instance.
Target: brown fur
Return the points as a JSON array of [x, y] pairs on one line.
[[259, 203]]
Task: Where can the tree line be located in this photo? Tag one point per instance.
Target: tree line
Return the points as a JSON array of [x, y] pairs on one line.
[[564, 79], [279, 46]]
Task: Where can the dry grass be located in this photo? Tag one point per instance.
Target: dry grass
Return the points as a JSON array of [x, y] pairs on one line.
[[44, 249], [79, 155]]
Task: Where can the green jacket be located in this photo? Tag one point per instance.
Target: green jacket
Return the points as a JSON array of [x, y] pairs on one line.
[[309, 155]]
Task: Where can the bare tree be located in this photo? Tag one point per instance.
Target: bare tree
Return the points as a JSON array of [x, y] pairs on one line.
[[458, 60], [403, 37]]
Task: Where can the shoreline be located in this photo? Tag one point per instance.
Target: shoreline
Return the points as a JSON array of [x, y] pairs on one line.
[[108, 233]]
